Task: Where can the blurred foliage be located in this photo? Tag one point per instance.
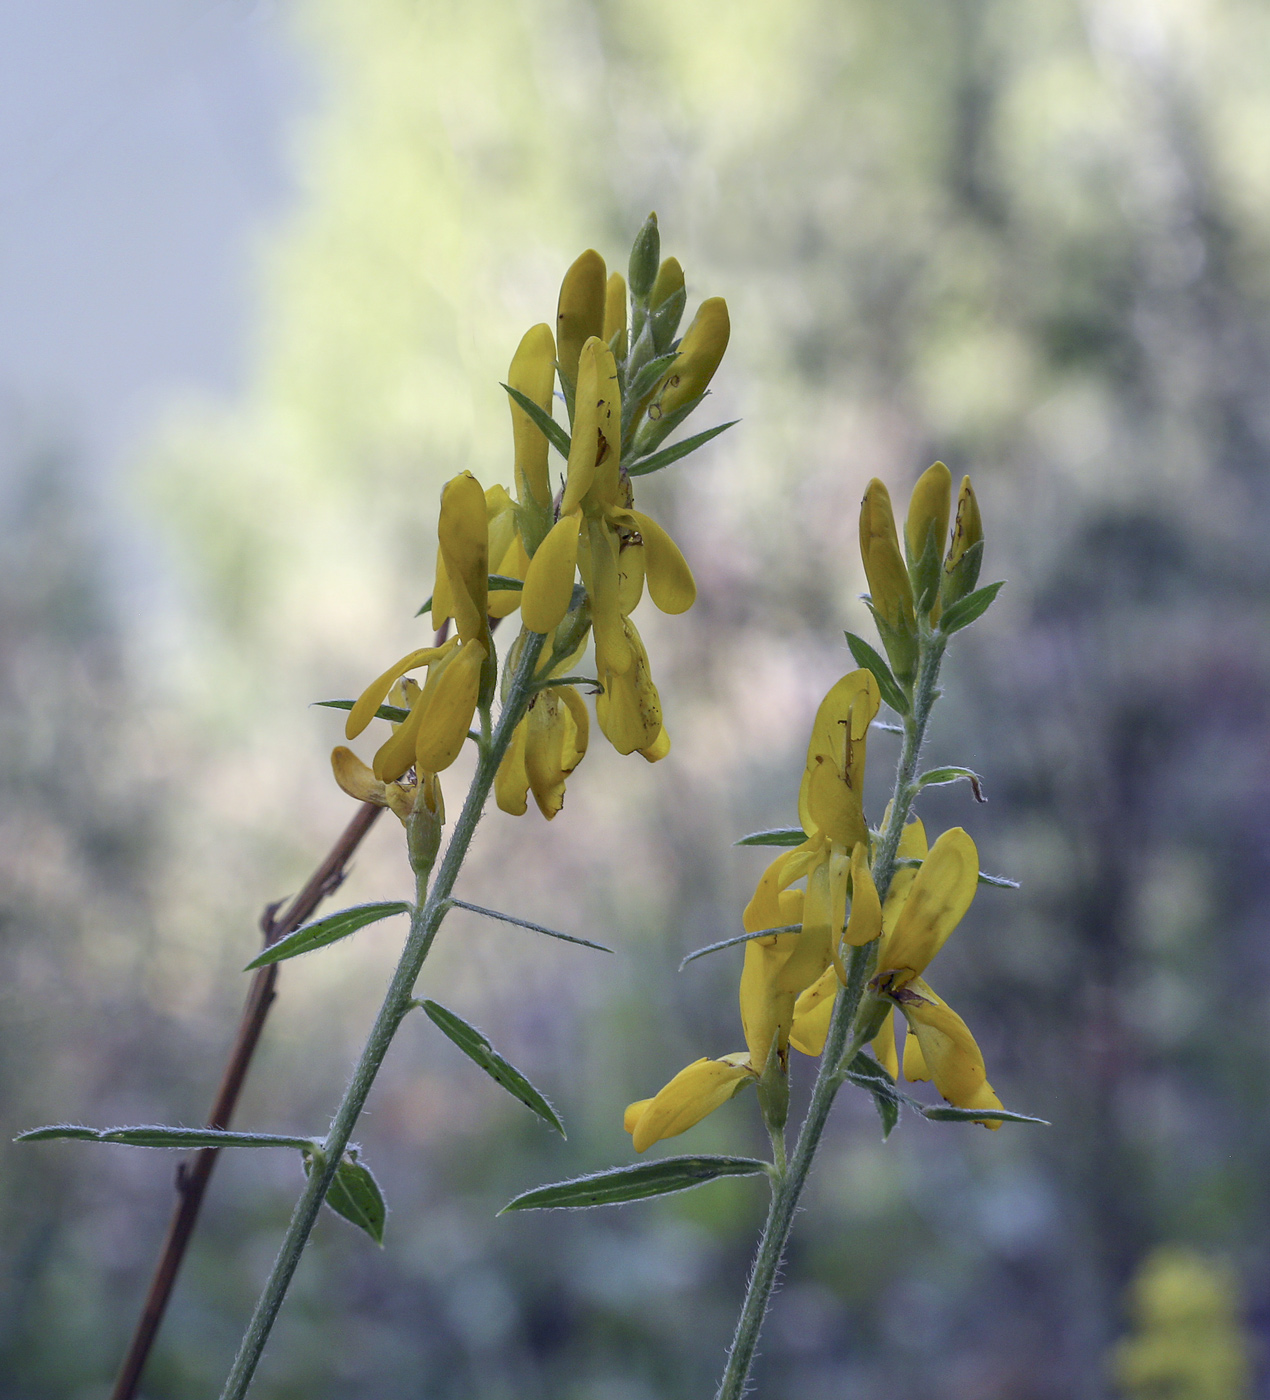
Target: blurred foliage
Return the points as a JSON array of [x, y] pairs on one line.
[[1030, 240]]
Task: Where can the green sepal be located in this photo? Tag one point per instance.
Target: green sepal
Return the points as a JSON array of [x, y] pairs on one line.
[[551, 430], [900, 646], [641, 271], [391, 712], [924, 574], [865, 1072], [475, 1046], [939, 776], [777, 836], [970, 608], [354, 1193], [887, 684], [664, 320], [642, 466], [962, 577], [328, 930], [637, 1183], [156, 1135], [976, 1115]]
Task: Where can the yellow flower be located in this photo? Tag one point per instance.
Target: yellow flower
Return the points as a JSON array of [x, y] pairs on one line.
[[694, 1092], [700, 352], [532, 373], [579, 312], [400, 797]]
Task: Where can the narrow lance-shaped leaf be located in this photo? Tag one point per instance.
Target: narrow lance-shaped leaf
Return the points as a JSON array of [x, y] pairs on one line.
[[637, 1183], [968, 609], [392, 712], [999, 882], [354, 1194], [548, 682], [938, 776], [525, 923], [328, 930], [976, 1115], [505, 582], [552, 430], [158, 1135], [866, 1073], [871, 661], [642, 466], [732, 942], [478, 1049], [777, 836]]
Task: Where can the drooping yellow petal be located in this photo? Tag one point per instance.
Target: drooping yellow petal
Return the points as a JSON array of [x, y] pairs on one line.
[[629, 708], [928, 510], [884, 1045], [597, 563], [670, 582], [865, 923], [595, 449], [949, 1050], [812, 949], [533, 373], [373, 696], [554, 745], [914, 1061], [812, 1013], [700, 351], [580, 312], [766, 1012], [937, 900], [511, 782], [449, 710], [549, 578], [912, 846], [634, 1112], [694, 1092], [356, 778], [889, 585], [658, 749], [630, 572], [463, 532]]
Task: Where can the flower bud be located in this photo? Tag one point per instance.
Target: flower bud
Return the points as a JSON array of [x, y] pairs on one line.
[[926, 531], [890, 589], [645, 256], [532, 373], [580, 313], [699, 354], [961, 568], [670, 279]]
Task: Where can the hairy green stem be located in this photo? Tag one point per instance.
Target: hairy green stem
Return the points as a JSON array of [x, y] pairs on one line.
[[429, 912], [842, 1043]]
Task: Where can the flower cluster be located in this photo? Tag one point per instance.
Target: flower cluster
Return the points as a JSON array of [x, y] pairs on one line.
[[625, 389]]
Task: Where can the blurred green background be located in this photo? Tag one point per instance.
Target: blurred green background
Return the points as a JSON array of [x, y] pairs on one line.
[[1031, 240]]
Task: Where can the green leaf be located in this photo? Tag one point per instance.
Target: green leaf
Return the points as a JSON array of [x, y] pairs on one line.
[[642, 466], [494, 582], [392, 712], [156, 1135], [475, 1046], [976, 1115], [997, 881], [732, 942], [865, 1072], [777, 836], [552, 430], [524, 923], [637, 1183], [972, 606], [328, 930], [646, 379], [872, 661], [547, 682], [938, 776], [354, 1193]]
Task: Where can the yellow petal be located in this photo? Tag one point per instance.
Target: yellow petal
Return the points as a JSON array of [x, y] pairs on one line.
[[764, 908], [596, 444], [669, 280], [463, 531], [912, 847], [634, 1112], [937, 900], [630, 572], [597, 562], [442, 594], [615, 312], [551, 746], [580, 312], [865, 922], [812, 1013], [629, 709], [549, 579], [693, 1093], [949, 1051], [812, 950], [928, 510], [700, 351], [670, 582], [889, 585], [914, 1061], [767, 1012], [533, 373], [578, 730], [831, 794], [373, 696], [511, 783], [513, 564], [658, 749], [355, 778], [448, 714], [884, 1045]]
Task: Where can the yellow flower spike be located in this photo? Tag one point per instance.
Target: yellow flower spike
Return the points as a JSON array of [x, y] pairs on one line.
[[448, 711], [615, 314], [463, 532], [928, 510], [693, 1093], [888, 578], [865, 923], [669, 280], [812, 1013], [670, 582], [937, 901], [511, 782], [595, 448], [948, 1050], [533, 373], [580, 311], [700, 351], [373, 696], [544, 600]]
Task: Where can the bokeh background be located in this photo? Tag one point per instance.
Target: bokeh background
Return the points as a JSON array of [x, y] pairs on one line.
[[261, 270]]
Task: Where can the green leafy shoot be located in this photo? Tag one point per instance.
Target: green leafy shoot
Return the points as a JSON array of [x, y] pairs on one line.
[[732, 942], [506, 582], [328, 930], [655, 461], [391, 712], [354, 1194], [156, 1135], [872, 661], [940, 1114], [478, 1049], [547, 682], [637, 1183], [777, 836], [970, 608]]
